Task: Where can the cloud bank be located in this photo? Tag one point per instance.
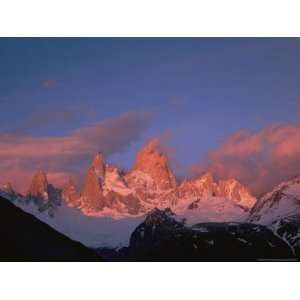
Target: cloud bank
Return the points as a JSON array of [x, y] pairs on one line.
[[260, 160], [61, 157]]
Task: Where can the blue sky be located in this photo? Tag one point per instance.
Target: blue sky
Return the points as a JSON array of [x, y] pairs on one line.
[[201, 90]]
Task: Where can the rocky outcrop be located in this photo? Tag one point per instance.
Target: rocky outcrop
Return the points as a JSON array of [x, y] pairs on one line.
[[7, 188], [152, 161], [280, 211], [99, 166], [288, 228], [8, 192], [208, 200], [43, 194], [70, 195], [164, 237], [235, 191], [106, 190], [92, 195], [39, 186], [124, 204], [203, 186], [281, 202]]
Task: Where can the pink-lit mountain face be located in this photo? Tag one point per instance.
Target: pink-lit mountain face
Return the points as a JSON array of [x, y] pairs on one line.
[[112, 202], [151, 183], [283, 201]]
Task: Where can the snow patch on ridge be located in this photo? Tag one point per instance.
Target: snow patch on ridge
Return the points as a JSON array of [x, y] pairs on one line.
[[114, 182], [281, 202], [213, 209]]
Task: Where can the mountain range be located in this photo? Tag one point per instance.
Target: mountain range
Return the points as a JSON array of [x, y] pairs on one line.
[[151, 183], [112, 203]]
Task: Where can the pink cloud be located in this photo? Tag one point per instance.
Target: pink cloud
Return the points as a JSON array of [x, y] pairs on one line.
[[260, 160], [61, 157]]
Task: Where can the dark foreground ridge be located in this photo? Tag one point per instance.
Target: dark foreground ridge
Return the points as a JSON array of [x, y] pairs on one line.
[[288, 229], [25, 238], [163, 237]]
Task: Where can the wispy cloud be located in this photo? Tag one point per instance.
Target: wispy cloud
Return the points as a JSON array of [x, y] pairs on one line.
[[22, 155], [55, 117], [260, 160]]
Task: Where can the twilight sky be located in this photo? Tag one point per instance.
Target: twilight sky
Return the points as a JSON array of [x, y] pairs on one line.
[[228, 105]]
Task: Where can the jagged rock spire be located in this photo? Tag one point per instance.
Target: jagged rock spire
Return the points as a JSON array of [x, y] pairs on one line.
[[206, 184], [8, 188], [70, 194], [152, 161], [234, 190], [99, 165], [39, 185], [93, 187]]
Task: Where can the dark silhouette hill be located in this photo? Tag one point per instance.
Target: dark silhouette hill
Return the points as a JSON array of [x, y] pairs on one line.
[[25, 238]]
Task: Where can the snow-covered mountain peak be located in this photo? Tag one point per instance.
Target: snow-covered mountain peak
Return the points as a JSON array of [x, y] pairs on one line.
[[205, 187], [206, 184], [292, 185], [281, 202], [234, 190], [107, 191], [206, 177]]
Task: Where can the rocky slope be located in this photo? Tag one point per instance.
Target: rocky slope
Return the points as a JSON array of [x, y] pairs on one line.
[[280, 211], [288, 229], [164, 237], [7, 191], [43, 194], [282, 201]]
